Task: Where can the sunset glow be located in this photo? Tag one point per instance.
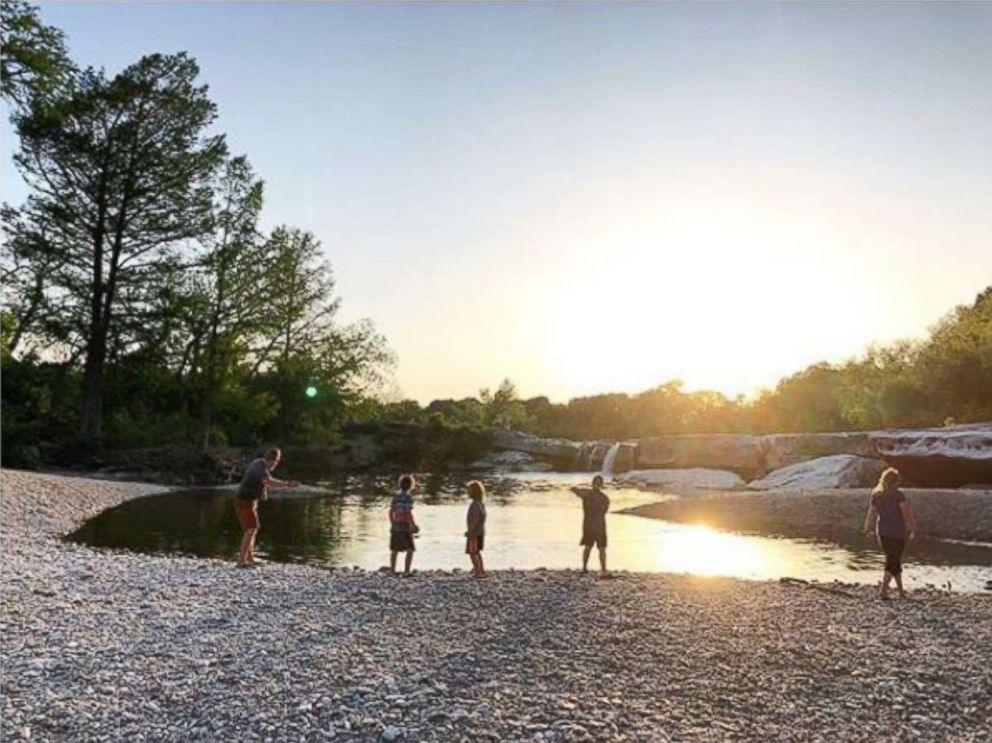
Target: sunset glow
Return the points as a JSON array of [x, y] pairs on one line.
[[587, 198]]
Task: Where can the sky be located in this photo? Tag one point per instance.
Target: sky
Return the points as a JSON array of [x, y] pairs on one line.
[[592, 198]]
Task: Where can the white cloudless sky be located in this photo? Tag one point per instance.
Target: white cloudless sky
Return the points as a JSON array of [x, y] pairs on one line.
[[602, 197]]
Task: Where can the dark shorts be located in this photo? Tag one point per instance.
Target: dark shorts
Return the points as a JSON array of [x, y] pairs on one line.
[[473, 545], [592, 537], [893, 547], [401, 541], [246, 510]]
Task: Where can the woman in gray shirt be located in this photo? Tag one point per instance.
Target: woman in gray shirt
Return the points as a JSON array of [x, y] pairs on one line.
[[891, 518]]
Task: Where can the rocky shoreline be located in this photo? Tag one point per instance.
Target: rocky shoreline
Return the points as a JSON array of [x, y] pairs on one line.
[[116, 646], [963, 514], [956, 456]]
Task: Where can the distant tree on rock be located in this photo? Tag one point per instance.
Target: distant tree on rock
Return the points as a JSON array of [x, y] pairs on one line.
[[503, 408]]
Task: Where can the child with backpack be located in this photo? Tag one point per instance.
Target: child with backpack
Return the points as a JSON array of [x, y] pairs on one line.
[[402, 526]]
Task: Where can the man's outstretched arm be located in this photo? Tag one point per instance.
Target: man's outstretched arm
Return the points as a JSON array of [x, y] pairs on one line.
[[277, 484]]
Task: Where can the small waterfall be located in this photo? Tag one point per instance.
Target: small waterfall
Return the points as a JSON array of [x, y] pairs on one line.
[[608, 460], [579, 458]]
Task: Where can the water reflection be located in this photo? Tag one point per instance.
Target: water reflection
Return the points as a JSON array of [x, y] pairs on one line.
[[534, 521]]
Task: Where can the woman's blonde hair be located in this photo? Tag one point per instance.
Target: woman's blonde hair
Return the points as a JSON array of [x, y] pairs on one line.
[[476, 490], [889, 478]]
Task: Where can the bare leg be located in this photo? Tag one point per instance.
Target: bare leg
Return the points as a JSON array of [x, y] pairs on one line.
[[885, 584], [585, 558], [247, 552], [475, 565], [482, 569], [602, 559], [898, 577], [243, 547], [251, 545], [409, 561], [392, 561]]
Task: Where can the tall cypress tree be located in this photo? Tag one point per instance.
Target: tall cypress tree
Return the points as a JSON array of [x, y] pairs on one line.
[[120, 170]]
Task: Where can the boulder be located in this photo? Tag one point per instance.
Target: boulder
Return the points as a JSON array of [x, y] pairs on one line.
[[942, 457], [510, 461], [836, 471], [738, 453], [785, 449], [695, 477], [560, 450], [177, 464]]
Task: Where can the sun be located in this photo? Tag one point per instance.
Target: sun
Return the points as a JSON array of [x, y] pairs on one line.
[[714, 294]]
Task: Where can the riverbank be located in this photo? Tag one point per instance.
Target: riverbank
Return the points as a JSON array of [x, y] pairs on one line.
[[119, 646], [942, 513]]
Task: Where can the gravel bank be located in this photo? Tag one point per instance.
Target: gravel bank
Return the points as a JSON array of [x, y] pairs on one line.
[[105, 646], [943, 514]]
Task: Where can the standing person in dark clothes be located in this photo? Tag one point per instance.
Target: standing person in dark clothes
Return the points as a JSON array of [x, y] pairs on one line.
[[891, 518], [255, 484], [402, 526], [595, 504], [475, 522]]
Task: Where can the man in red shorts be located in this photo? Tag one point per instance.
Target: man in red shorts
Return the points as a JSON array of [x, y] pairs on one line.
[[255, 484]]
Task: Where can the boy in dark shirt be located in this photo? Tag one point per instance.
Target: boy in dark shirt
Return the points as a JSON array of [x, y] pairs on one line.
[[595, 504]]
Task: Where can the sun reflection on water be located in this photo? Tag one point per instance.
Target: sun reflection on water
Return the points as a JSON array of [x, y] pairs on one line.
[[701, 550]]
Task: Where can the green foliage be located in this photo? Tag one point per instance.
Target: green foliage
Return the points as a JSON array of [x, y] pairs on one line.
[[224, 304], [466, 412], [957, 362], [119, 171], [137, 271], [38, 403], [502, 408], [810, 400], [33, 60]]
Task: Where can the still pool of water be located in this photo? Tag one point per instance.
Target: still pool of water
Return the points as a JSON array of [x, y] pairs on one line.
[[533, 521]]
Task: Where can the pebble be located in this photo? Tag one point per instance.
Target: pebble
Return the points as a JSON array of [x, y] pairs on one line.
[[391, 733], [176, 649]]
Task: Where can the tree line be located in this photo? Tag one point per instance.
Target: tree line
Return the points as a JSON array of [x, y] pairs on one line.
[[944, 379], [142, 302]]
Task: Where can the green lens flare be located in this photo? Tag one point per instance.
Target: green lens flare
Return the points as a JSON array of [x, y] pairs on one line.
[[311, 391]]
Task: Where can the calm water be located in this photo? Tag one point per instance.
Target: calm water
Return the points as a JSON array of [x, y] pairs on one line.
[[533, 521]]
